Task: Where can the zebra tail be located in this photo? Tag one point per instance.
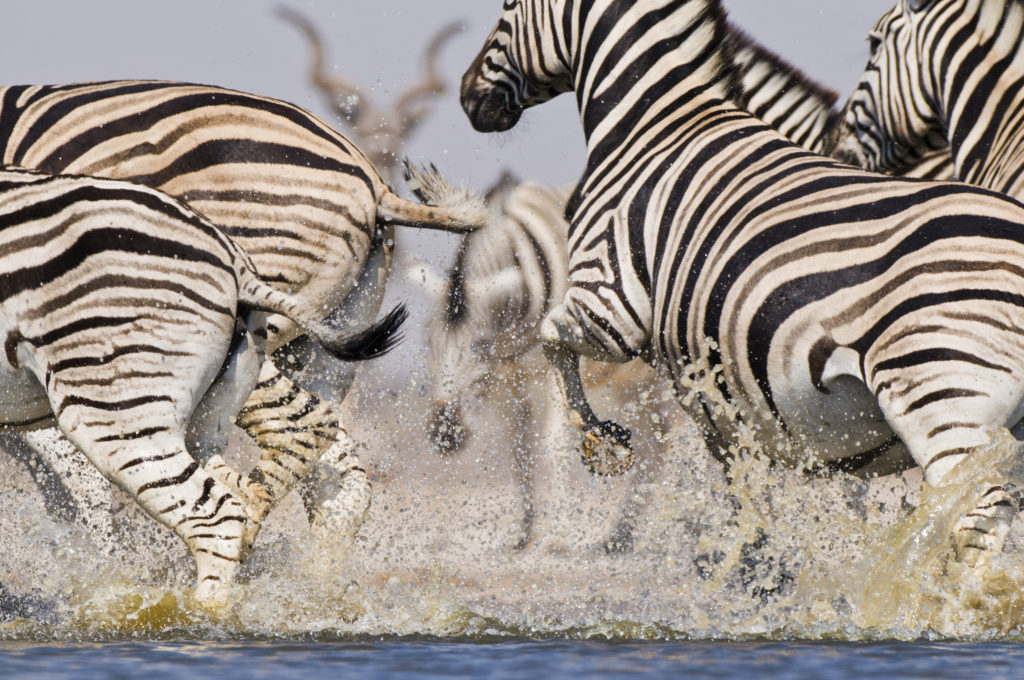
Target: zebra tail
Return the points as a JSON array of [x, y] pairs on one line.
[[376, 340], [444, 208]]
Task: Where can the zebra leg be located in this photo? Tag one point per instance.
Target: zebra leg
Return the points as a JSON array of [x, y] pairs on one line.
[[946, 410], [59, 501], [524, 469], [213, 418], [648, 470], [153, 465], [336, 493], [292, 428], [606, 445]]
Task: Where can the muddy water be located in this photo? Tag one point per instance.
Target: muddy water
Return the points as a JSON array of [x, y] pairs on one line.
[[767, 554]]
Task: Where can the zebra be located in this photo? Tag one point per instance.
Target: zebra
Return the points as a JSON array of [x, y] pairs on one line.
[[139, 329], [942, 74], [802, 109], [850, 319], [506, 279], [300, 199]]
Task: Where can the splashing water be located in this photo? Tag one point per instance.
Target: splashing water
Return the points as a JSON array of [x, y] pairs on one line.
[[766, 552]]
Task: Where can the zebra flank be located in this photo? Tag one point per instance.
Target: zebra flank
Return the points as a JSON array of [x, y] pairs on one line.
[[122, 312], [843, 308], [943, 75]]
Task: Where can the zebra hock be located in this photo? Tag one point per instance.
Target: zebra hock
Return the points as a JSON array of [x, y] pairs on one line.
[[139, 329], [853, 317], [942, 74], [301, 200]]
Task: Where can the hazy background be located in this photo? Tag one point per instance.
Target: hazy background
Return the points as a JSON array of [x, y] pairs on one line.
[[244, 45]]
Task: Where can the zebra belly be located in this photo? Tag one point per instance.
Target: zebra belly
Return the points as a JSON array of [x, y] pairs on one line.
[[23, 402], [839, 420]]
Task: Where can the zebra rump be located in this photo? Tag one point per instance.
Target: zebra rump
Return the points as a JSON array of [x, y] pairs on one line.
[[138, 327], [300, 199]]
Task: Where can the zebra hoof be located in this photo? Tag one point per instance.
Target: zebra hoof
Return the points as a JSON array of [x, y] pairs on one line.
[[213, 597], [606, 449]]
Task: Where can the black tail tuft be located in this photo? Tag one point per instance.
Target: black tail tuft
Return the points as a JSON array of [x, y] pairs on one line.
[[375, 341]]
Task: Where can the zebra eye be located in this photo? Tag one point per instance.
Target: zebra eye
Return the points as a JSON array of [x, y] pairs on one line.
[[918, 5]]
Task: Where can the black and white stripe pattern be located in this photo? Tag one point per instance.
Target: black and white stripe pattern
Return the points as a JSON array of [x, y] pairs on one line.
[[300, 199], [508, 277], [139, 328], [943, 74], [852, 315]]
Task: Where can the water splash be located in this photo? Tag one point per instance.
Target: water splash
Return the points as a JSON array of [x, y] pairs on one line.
[[767, 552]]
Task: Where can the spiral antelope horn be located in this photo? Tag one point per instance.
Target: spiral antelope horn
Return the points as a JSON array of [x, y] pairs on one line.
[[411, 108], [341, 95]]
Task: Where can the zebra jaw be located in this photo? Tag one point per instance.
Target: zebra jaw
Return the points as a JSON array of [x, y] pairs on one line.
[[606, 449]]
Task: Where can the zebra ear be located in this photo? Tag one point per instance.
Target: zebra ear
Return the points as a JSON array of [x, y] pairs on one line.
[[918, 5]]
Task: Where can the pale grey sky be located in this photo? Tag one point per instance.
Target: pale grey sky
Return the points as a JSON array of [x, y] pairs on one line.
[[243, 45]]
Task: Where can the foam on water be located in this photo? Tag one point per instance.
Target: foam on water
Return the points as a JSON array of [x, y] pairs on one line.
[[768, 552]]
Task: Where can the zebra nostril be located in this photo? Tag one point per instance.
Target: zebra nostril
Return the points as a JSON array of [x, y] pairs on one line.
[[447, 431]]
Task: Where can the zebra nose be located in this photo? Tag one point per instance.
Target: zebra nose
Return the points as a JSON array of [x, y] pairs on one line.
[[446, 428]]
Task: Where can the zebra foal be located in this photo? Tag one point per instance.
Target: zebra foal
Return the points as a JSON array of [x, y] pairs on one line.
[[139, 329], [855, 316], [301, 200], [943, 74]]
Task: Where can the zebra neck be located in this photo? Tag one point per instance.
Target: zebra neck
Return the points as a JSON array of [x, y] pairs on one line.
[[982, 99], [780, 94], [637, 62]]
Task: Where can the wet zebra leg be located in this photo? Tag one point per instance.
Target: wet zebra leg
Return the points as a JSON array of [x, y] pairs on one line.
[[153, 465], [336, 494], [606, 444], [293, 428], [949, 408], [983, 530]]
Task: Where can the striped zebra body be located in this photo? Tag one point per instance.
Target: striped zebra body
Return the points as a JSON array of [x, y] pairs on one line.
[[943, 74], [850, 315], [507, 278], [301, 200], [139, 329]]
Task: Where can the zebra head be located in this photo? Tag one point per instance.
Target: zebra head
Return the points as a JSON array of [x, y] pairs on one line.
[[524, 62], [893, 120]]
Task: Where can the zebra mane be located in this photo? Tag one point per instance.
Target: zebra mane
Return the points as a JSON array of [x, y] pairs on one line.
[[737, 40], [714, 10]]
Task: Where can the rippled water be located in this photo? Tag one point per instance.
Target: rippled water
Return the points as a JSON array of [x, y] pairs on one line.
[[511, 659]]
